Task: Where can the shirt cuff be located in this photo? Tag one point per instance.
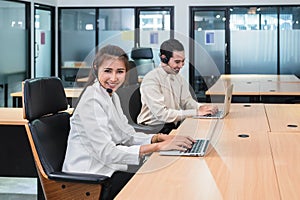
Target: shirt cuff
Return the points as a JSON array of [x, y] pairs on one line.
[[133, 155], [189, 113]]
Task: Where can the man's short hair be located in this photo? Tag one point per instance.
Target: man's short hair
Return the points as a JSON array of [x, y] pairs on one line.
[[168, 47]]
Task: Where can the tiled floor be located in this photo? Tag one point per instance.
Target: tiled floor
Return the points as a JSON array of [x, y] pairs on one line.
[[18, 188]]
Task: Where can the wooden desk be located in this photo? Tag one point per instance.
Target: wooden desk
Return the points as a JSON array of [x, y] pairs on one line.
[[249, 90], [16, 99], [283, 117], [260, 77], [257, 87], [82, 80], [280, 88], [71, 93], [246, 118], [12, 116], [239, 88], [15, 154], [286, 153], [236, 168]]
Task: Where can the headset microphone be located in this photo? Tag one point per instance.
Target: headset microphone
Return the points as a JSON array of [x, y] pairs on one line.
[[109, 90]]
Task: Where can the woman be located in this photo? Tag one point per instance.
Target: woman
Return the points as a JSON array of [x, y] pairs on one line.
[[100, 140]]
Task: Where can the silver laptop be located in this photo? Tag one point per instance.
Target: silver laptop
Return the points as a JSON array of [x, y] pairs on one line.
[[221, 113], [201, 147]]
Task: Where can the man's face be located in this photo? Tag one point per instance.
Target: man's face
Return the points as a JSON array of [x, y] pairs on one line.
[[176, 62]]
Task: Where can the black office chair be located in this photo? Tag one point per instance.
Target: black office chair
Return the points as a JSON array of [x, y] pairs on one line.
[[131, 75], [130, 98], [143, 58], [48, 129]]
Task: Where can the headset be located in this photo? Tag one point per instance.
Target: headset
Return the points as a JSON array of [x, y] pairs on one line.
[[164, 60], [167, 55]]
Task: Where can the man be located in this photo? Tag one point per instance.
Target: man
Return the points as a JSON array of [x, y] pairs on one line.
[[166, 99]]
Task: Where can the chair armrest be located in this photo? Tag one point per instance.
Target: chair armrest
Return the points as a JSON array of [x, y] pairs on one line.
[[78, 177]]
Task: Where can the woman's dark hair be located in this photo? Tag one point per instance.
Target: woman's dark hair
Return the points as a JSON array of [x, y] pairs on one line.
[[105, 53]]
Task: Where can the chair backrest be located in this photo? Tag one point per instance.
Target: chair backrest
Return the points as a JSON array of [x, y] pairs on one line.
[[143, 58], [44, 99], [131, 75], [130, 98]]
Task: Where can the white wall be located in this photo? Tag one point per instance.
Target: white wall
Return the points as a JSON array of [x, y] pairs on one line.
[[46, 2]]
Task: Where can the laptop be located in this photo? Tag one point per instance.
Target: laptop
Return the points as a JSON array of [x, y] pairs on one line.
[[201, 147], [221, 113]]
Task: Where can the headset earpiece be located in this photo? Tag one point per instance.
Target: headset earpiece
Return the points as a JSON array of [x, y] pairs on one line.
[[164, 59]]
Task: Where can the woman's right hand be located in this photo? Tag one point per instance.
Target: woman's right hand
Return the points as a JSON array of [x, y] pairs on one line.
[[168, 142], [181, 143]]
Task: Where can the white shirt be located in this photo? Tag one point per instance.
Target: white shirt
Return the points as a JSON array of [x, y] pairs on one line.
[[166, 98], [100, 139]]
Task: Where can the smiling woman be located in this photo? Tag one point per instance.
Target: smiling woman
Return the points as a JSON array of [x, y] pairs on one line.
[[112, 74], [101, 141]]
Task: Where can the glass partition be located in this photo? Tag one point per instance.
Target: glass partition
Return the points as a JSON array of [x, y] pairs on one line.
[[290, 40], [43, 42], [155, 26], [77, 40], [116, 26], [209, 48], [14, 57], [253, 40]]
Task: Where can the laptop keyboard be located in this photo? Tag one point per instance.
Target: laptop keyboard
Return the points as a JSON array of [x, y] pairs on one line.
[[197, 146]]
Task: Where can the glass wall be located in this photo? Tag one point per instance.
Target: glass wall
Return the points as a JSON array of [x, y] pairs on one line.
[[258, 40], [209, 34], [116, 26], [290, 40], [209, 48], [77, 40], [253, 40], [43, 42], [82, 30], [14, 57], [155, 26]]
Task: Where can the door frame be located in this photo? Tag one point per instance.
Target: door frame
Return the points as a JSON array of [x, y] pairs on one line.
[[192, 43], [52, 28]]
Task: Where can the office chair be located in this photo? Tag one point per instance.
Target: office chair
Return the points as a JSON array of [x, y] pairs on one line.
[[130, 98], [48, 129], [131, 74], [143, 58]]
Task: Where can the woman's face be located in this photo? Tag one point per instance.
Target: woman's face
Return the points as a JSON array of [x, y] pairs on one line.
[[111, 74]]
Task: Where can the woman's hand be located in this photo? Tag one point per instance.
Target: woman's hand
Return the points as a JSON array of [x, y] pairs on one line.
[[207, 109], [172, 142], [167, 142]]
